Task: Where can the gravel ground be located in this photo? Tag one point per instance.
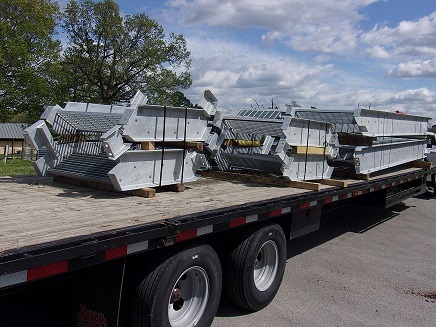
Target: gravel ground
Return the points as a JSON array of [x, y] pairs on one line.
[[364, 267]]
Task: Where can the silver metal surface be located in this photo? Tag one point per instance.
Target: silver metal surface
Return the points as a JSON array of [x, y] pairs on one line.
[[342, 120], [151, 168], [272, 143], [380, 123], [150, 123], [113, 143], [308, 167], [85, 166], [154, 123], [89, 142], [253, 161], [208, 102], [244, 125], [74, 122], [189, 298], [260, 113], [266, 265], [303, 132], [388, 154]]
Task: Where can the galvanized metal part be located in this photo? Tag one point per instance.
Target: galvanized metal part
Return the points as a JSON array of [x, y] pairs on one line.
[[153, 123], [342, 120], [397, 138], [150, 123], [277, 138], [388, 153], [151, 168], [100, 142], [380, 123]]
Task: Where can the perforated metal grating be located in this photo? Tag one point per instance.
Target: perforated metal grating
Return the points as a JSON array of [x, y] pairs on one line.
[[343, 121], [263, 114], [272, 127], [90, 122]]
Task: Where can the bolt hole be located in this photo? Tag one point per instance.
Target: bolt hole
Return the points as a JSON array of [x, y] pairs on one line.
[[178, 304]]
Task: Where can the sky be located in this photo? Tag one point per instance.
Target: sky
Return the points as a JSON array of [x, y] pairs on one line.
[[331, 54]]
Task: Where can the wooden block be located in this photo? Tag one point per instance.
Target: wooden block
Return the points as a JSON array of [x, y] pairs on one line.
[[333, 182], [180, 187], [347, 173], [267, 180], [198, 146], [305, 185], [419, 164], [310, 150], [147, 146], [143, 192]]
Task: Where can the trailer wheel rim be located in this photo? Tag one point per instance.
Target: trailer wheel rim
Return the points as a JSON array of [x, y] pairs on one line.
[[188, 297], [265, 266]]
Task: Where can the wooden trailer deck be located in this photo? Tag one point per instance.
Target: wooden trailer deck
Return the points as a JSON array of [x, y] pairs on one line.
[[36, 210]]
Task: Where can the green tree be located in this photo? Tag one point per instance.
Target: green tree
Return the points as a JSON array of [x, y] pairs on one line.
[[109, 57], [28, 57]]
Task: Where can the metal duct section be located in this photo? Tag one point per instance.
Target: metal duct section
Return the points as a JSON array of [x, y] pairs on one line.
[[371, 140], [295, 148], [105, 143]]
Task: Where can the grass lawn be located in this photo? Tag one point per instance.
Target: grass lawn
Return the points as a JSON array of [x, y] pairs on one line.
[[15, 167]]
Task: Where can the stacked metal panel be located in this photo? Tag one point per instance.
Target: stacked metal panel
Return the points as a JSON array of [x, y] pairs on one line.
[[110, 144], [371, 140], [103, 143], [267, 141]]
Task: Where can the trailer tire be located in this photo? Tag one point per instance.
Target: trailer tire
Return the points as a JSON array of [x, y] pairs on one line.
[[183, 290], [255, 268]]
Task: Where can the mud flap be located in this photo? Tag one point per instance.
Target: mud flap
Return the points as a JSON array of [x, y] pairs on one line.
[[96, 295]]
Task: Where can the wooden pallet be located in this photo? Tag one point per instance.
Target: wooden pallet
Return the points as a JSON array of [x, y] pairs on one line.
[[333, 182]]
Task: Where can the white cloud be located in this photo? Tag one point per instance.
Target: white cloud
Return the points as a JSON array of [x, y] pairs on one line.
[[408, 38], [310, 25], [322, 58], [238, 73], [415, 69], [329, 30]]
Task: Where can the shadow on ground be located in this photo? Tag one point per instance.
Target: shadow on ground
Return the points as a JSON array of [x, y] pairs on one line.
[[354, 218]]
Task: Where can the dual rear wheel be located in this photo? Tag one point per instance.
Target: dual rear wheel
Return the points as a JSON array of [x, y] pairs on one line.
[[185, 289]]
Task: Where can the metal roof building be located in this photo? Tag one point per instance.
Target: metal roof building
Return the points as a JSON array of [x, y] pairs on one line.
[[12, 131], [12, 138]]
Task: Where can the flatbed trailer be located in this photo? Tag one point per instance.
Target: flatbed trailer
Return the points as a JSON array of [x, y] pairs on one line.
[[163, 261]]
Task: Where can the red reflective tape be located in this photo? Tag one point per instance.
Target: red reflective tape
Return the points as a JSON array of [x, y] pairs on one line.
[[345, 196], [275, 213], [305, 205], [328, 200], [364, 191], [115, 253], [186, 235], [238, 222], [376, 188], [47, 270]]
